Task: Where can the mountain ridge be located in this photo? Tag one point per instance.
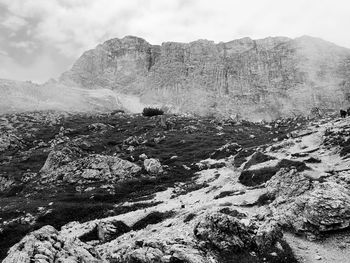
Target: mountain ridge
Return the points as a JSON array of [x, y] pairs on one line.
[[267, 78], [244, 78]]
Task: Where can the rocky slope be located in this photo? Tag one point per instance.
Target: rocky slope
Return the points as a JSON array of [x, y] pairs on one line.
[[255, 79], [57, 167], [269, 192]]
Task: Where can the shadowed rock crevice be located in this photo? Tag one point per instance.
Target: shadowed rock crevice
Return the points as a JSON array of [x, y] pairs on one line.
[[152, 218]]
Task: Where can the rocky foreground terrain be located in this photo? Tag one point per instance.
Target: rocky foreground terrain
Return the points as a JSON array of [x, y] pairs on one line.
[[116, 187]]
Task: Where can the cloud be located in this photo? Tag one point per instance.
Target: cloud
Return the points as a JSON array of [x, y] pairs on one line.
[[3, 53], [15, 71], [13, 22], [63, 29], [26, 46]]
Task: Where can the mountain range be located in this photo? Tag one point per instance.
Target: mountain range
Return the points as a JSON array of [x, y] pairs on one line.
[[254, 79]]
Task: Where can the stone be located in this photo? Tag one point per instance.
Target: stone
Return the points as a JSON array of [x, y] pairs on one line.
[[256, 158], [143, 157], [59, 157], [133, 141], [223, 232], [93, 168], [263, 172], [287, 183], [46, 245], [99, 127], [9, 141], [6, 184], [110, 230], [308, 207], [267, 235], [226, 151], [153, 166], [31, 246], [328, 207]]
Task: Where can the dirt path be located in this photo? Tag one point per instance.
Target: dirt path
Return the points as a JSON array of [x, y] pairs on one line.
[[332, 249]]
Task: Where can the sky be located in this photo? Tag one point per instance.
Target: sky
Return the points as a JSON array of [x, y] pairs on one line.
[[40, 39]]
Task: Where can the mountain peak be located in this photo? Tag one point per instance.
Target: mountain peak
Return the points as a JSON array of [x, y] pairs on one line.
[[244, 76]]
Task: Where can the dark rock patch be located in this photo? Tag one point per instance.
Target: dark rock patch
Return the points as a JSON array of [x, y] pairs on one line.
[[90, 235], [151, 219], [233, 212], [229, 193], [312, 160], [262, 175], [108, 231], [242, 156], [257, 158], [189, 217]]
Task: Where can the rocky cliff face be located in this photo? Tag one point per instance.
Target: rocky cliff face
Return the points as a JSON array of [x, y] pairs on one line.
[[264, 78]]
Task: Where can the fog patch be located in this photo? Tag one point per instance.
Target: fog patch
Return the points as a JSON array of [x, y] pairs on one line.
[[131, 103]]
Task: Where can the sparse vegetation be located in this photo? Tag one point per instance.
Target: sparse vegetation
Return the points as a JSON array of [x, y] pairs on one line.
[[149, 112], [38, 129]]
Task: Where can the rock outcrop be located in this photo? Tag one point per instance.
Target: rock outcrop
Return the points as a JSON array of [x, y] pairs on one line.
[[309, 207], [46, 245], [93, 168], [262, 172], [212, 236], [255, 79], [223, 232]]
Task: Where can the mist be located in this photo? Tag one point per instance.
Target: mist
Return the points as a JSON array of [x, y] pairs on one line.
[[18, 96]]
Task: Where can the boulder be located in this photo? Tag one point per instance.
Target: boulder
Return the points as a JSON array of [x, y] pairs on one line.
[[256, 158], [143, 156], [309, 206], [6, 184], [110, 230], [93, 168], [223, 232], [98, 127], [134, 140], [267, 235], [262, 172], [328, 207], [288, 183], [59, 157], [153, 166], [236, 240], [46, 245], [9, 141], [144, 255], [31, 246]]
